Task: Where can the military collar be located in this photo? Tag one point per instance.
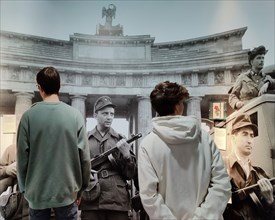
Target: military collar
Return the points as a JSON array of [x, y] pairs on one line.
[[95, 133], [253, 73], [234, 159]]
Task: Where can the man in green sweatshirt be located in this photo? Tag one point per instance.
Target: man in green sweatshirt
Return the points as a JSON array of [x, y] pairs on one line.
[[53, 159]]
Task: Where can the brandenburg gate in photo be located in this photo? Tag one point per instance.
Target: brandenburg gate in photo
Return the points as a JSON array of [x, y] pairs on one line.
[[126, 68]]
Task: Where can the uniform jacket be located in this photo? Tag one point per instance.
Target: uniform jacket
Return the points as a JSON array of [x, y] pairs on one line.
[[242, 206], [245, 88], [114, 188], [181, 172], [9, 157], [53, 161]]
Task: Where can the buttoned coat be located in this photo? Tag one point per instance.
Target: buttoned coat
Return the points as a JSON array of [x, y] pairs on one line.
[[114, 188]]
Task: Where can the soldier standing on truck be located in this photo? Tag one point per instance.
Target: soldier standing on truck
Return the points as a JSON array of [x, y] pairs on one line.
[[252, 83]]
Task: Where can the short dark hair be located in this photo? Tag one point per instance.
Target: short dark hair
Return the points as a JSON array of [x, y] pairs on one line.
[[49, 80], [166, 95]]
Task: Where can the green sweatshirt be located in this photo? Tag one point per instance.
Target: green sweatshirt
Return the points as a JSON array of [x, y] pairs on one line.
[[53, 160]]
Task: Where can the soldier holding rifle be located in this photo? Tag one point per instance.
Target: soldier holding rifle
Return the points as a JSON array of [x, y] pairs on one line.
[[248, 202], [111, 201]]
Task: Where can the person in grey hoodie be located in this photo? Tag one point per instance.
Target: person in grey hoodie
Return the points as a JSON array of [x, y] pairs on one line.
[[181, 171]]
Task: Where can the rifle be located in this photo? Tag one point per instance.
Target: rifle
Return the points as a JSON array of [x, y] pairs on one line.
[[245, 189], [99, 159], [249, 190]]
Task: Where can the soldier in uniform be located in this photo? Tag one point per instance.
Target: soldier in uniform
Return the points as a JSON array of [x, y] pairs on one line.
[[257, 202], [113, 200], [252, 83]]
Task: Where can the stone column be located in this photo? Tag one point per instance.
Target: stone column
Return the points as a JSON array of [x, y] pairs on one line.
[[131, 130], [144, 115], [23, 103], [211, 78], [131, 125], [78, 102], [195, 80], [194, 106], [227, 76]]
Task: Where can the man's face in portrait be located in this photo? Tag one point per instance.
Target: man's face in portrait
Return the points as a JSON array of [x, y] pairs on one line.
[[258, 61], [243, 140], [105, 117]]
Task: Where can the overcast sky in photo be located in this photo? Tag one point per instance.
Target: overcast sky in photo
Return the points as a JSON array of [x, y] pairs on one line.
[[164, 20]]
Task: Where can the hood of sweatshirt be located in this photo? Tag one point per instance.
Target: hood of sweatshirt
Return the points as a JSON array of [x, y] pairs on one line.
[[176, 129]]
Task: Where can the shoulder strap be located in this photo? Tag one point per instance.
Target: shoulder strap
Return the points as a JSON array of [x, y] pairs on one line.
[[260, 172]]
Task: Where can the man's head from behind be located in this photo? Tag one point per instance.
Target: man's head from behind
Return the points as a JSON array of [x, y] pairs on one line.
[[48, 80], [243, 132], [167, 98], [104, 111]]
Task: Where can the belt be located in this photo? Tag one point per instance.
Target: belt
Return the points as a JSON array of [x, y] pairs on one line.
[[106, 173]]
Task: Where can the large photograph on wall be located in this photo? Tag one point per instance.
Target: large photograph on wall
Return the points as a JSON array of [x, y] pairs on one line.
[[113, 54]]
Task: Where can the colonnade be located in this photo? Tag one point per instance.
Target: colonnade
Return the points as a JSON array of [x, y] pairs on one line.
[[23, 102], [142, 114]]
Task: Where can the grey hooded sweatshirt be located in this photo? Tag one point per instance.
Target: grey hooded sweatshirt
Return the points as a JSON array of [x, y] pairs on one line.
[[181, 172]]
